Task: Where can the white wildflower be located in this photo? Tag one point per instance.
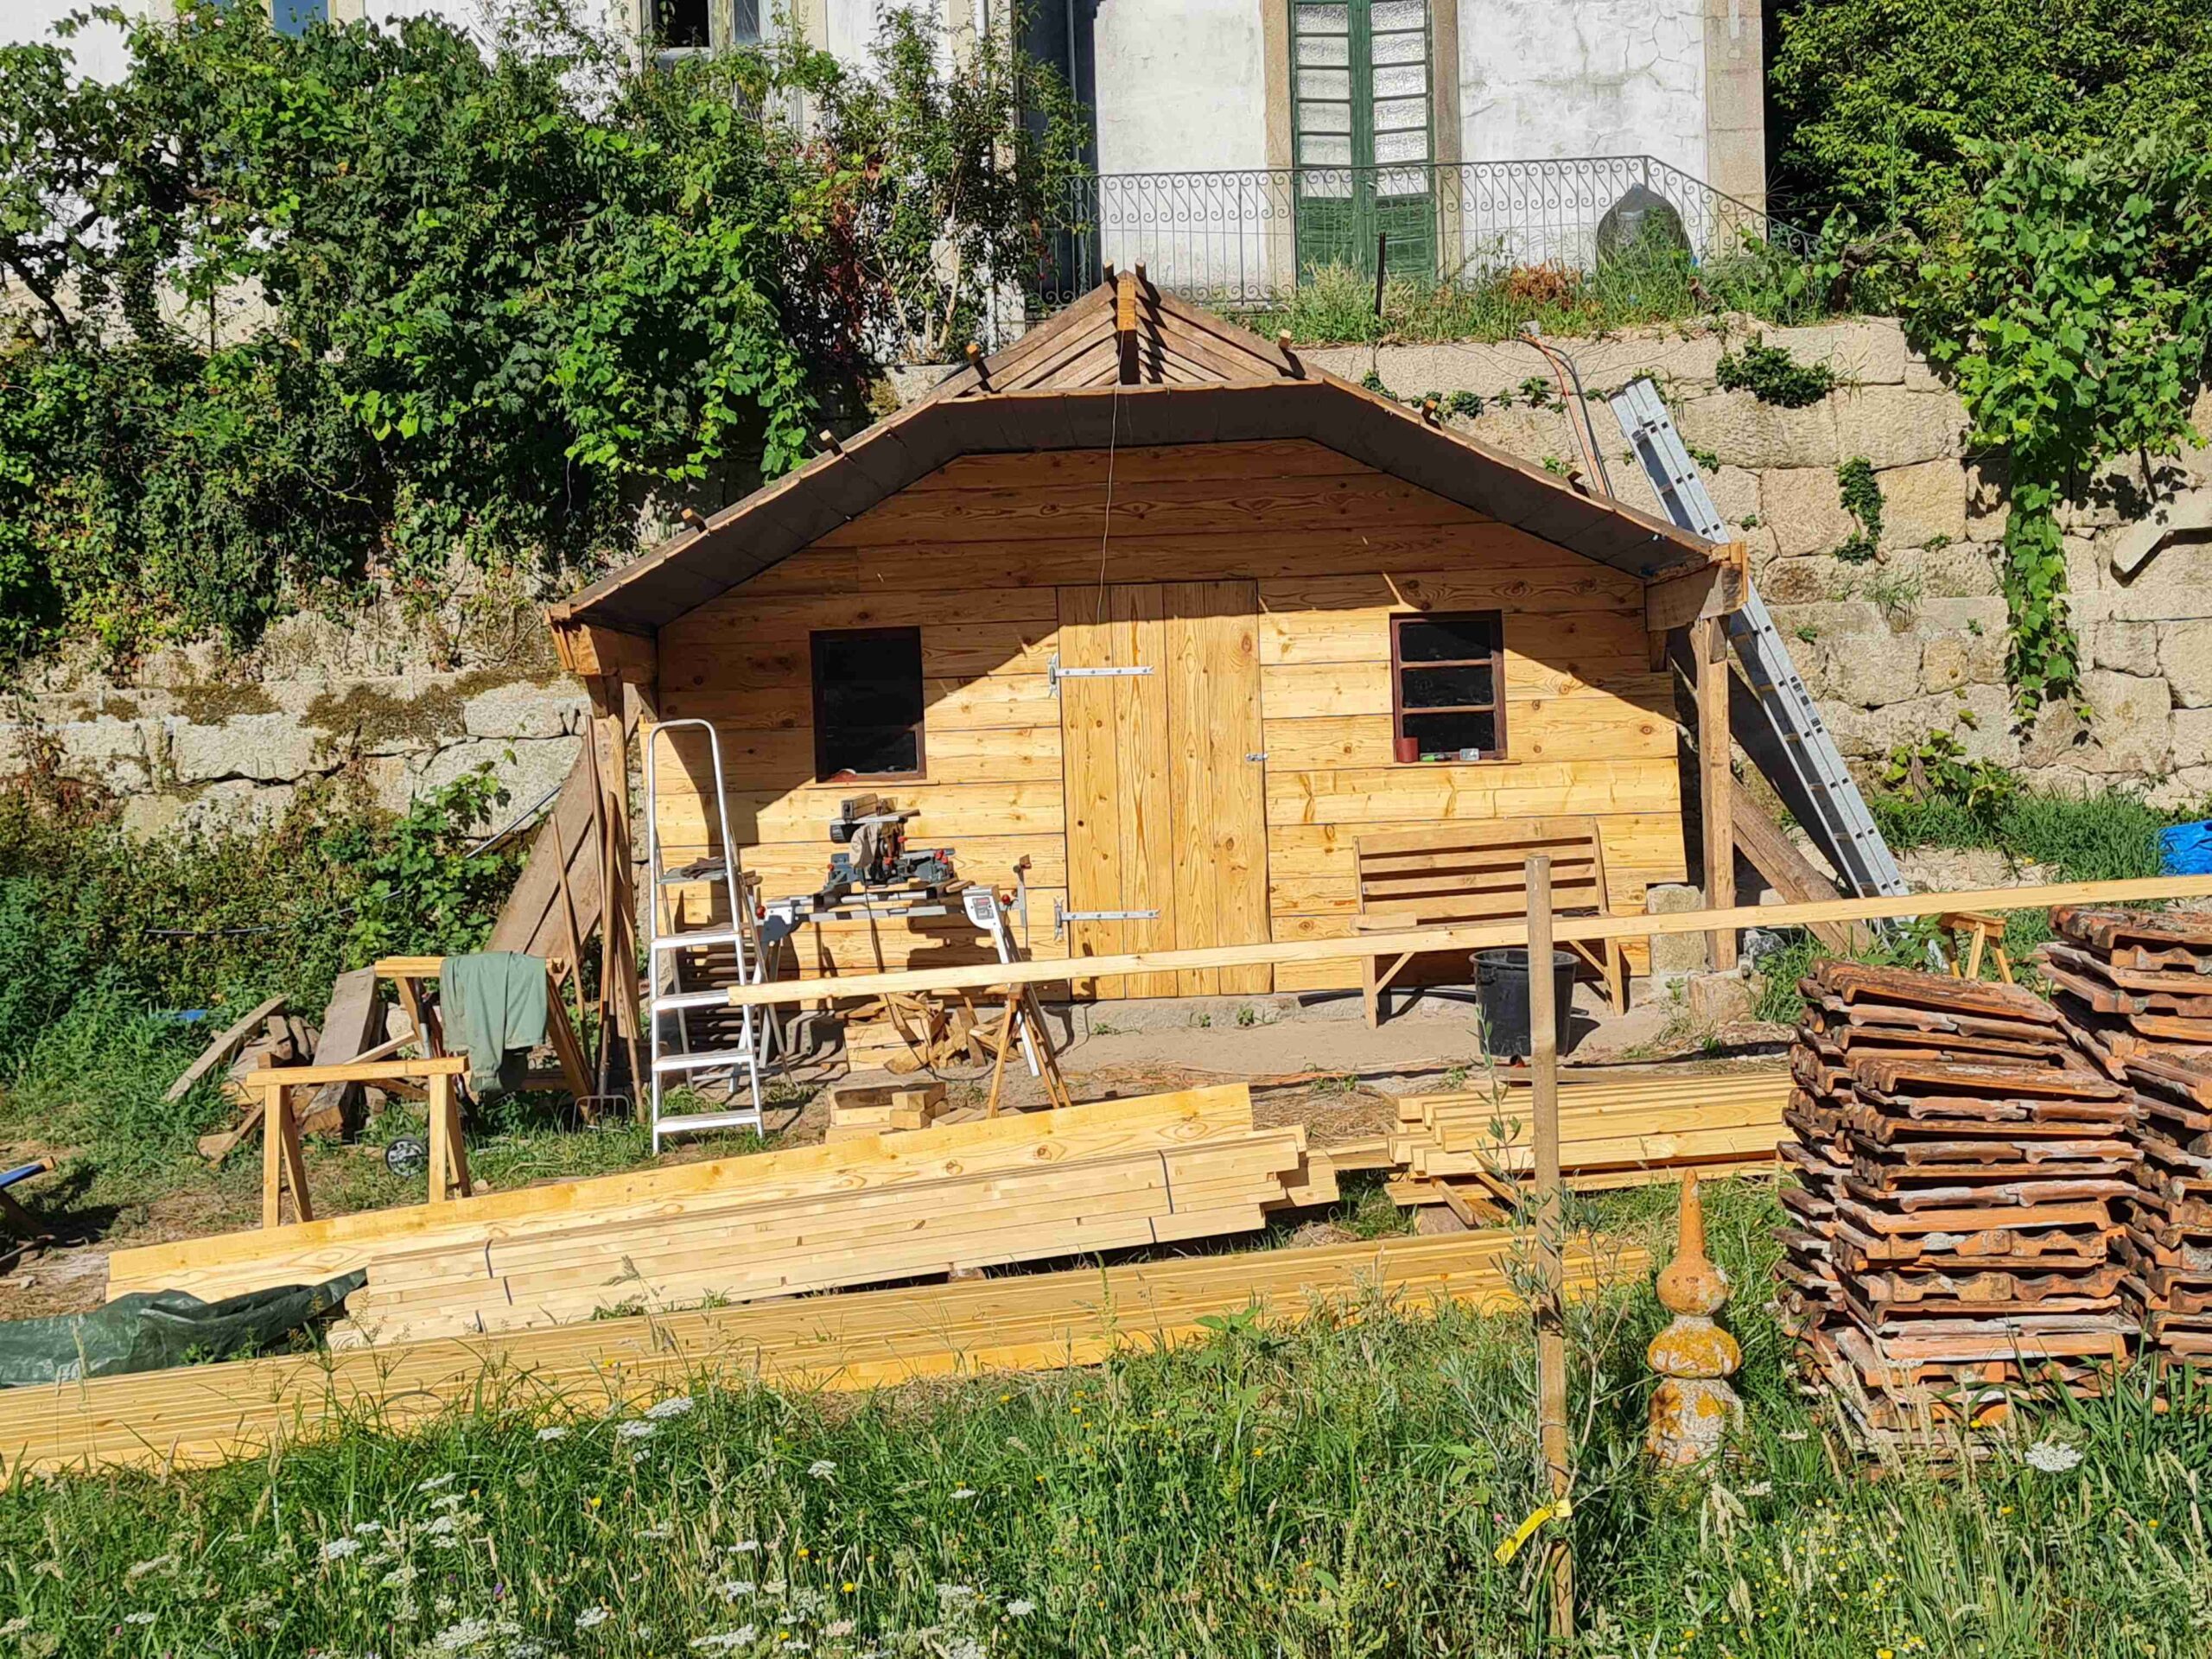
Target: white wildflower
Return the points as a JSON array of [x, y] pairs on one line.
[[956, 1595], [821, 1468], [735, 1589], [655, 1534], [159, 1564], [1796, 1435], [1757, 1489], [773, 1587], [838, 1627], [726, 1641], [398, 1578], [450, 1501], [795, 1645], [592, 1618], [1020, 1608], [2053, 1457], [140, 1617], [637, 1431], [965, 1493], [367, 1528], [749, 1547], [339, 1549], [806, 1603], [675, 1406], [434, 1482], [443, 1526], [962, 1647], [552, 1431]]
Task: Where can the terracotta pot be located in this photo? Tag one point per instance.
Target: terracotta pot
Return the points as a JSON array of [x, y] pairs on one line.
[[1406, 749]]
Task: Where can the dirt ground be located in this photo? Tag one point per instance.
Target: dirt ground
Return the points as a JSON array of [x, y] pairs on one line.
[[1312, 1061]]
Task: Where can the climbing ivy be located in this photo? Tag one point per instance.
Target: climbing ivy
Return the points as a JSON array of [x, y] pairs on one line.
[[1772, 375], [1862, 499], [2071, 308]]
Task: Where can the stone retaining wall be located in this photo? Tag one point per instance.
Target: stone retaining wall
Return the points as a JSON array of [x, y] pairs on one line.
[[392, 701], [1910, 642], [1913, 640]]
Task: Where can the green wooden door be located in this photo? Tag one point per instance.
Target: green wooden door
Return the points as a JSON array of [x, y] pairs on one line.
[[1360, 128]]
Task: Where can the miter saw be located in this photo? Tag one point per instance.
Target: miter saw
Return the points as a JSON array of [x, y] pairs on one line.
[[870, 834]]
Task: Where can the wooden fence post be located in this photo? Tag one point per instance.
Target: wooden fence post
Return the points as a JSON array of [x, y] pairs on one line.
[[1551, 1232]]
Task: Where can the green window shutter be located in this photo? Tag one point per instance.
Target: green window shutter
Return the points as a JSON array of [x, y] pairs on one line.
[[1361, 103]]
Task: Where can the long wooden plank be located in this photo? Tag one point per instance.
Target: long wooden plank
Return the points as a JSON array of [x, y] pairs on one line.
[[1582, 928], [223, 1049], [333, 1244], [202, 1414]]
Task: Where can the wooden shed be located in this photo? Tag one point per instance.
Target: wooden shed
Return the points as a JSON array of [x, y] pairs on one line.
[[1305, 582]]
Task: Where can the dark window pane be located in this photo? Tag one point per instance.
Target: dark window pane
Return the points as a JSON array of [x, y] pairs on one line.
[[1450, 733], [681, 22], [868, 702], [747, 31], [864, 751], [1444, 688], [1456, 639]]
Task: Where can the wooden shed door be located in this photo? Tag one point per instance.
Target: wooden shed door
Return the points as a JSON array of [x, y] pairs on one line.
[[1166, 797]]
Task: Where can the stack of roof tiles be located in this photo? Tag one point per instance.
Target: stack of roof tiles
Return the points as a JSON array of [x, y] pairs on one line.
[[1961, 1170], [2136, 988]]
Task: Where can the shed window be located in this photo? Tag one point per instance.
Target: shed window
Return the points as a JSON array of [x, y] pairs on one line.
[[1447, 684], [867, 703]]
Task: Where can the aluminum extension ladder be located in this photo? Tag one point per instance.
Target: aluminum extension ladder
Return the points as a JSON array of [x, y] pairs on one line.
[[1782, 733], [671, 999]]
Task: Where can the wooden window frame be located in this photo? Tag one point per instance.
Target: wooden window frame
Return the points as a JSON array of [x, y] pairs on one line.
[[1494, 621], [821, 773]]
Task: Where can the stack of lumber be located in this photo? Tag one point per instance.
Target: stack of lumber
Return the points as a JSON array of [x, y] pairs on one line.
[[858, 1109], [2136, 989], [200, 1414], [1612, 1133], [890, 1206], [1961, 1170]]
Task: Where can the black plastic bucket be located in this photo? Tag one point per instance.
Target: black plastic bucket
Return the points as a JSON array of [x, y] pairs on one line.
[[1502, 990]]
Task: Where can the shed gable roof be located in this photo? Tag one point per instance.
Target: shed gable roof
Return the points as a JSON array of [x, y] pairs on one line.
[[1190, 378]]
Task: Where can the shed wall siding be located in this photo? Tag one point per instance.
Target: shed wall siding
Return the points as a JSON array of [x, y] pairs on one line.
[[973, 555]]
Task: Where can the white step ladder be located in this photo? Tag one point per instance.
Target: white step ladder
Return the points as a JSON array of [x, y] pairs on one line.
[[670, 1000], [1781, 729]]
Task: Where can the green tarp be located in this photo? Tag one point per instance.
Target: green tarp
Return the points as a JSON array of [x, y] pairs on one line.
[[150, 1330]]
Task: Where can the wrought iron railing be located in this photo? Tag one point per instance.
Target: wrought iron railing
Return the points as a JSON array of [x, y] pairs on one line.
[[1245, 239]]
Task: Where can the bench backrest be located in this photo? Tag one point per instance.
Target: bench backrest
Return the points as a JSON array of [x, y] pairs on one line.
[[1478, 872]]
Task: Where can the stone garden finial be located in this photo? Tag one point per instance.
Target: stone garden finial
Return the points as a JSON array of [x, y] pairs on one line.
[[1694, 1407]]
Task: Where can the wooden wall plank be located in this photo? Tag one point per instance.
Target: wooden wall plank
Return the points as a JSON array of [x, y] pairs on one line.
[[1220, 847]]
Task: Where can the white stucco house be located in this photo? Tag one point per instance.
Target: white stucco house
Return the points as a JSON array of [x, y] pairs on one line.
[[1241, 143]]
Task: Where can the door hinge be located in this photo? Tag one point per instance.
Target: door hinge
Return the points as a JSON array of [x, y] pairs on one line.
[[1062, 916], [1054, 673]]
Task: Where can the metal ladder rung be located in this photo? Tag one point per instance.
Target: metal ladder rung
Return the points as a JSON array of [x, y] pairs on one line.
[[677, 1001], [695, 1122], [696, 940], [704, 1059]]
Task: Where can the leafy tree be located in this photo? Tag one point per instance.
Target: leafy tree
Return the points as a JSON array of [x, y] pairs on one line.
[[1876, 102], [316, 309]]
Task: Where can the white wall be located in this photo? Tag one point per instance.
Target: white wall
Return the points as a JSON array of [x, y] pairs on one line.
[[1553, 77], [97, 47], [1180, 85]]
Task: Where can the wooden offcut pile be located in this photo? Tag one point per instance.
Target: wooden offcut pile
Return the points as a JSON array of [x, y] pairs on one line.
[[1475, 1146], [871, 1211], [1962, 1171], [2136, 988]]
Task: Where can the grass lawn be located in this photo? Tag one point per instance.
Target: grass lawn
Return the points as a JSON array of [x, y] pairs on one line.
[[1333, 1489]]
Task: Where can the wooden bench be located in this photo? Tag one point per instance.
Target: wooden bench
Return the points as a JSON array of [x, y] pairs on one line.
[[1452, 873]]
